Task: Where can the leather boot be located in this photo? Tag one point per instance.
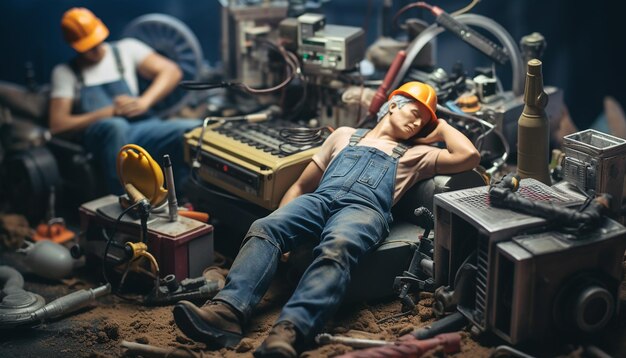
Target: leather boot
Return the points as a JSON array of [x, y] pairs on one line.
[[215, 323], [280, 343]]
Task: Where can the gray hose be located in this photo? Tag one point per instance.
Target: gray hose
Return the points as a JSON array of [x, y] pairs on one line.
[[22, 308], [13, 280], [17, 305], [474, 20]]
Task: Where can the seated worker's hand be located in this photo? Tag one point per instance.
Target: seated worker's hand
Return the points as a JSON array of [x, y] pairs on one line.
[[127, 106]]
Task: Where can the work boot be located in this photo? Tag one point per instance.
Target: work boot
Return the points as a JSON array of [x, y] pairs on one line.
[[215, 274], [216, 323], [280, 343]]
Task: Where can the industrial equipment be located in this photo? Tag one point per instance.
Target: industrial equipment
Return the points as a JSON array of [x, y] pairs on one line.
[[525, 277], [594, 162], [498, 107], [242, 24], [250, 160], [183, 247], [169, 290], [327, 48]]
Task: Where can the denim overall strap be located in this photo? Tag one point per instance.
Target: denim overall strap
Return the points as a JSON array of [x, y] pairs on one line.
[[91, 98], [118, 60], [399, 150], [79, 74], [356, 137]]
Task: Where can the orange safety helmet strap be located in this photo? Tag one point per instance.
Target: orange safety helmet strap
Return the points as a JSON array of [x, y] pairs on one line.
[[420, 92], [82, 29]]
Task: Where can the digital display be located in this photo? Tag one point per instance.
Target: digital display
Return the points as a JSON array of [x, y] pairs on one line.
[[313, 42]]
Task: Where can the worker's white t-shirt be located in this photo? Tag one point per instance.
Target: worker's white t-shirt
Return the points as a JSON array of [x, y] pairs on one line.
[[416, 164], [132, 52]]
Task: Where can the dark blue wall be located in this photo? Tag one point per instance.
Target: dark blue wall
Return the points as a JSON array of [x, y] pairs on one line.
[[31, 29], [584, 55]]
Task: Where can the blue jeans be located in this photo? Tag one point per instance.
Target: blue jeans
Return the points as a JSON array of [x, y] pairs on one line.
[[105, 138], [348, 233], [349, 213]]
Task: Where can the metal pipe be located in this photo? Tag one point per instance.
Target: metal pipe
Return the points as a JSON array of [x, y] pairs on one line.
[[71, 302], [146, 350], [451, 323], [172, 203], [326, 338]]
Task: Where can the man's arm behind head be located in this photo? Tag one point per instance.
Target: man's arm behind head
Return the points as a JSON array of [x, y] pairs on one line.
[[460, 153]]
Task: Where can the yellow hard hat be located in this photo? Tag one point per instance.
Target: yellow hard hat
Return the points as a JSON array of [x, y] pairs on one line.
[[82, 29], [135, 166], [420, 92]]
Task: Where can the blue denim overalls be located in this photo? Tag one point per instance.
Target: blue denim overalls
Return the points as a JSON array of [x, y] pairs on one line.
[[105, 137], [350, 212]]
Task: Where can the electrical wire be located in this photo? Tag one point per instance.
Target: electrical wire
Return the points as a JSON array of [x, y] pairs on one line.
[[467, 8], [424, 5], [297, 108], [196, 161], [507, 149], [134, 263], [291, 71], [419, 4], [110, 239]]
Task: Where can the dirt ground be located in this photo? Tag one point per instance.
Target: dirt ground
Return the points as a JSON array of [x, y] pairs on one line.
[[99, 331]]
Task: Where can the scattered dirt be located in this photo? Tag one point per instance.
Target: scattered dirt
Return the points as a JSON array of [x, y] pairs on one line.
[[98, 332]]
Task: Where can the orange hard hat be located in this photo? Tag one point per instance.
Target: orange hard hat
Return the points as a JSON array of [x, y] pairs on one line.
[[82, 29], [420, 92]]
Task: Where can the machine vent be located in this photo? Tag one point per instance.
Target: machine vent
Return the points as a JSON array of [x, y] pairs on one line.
[[481, 279]]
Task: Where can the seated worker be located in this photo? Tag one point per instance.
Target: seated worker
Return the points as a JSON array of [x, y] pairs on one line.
[[344, 198], [97, 93]]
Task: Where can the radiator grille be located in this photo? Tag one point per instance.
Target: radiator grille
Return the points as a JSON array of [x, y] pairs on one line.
[[481, 279], [476, 200]]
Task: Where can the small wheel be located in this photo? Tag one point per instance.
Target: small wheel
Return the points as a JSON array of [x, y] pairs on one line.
[[173, 39]]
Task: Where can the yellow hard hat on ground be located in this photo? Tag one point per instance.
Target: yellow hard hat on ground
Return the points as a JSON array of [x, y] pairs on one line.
[[420, 92], [82, 29]]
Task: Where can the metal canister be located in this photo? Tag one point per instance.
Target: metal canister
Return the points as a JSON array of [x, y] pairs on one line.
[[533, 128]]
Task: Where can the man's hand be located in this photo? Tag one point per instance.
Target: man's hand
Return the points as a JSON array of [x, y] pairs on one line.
[[62, 119], [436, 135], [127, 106]]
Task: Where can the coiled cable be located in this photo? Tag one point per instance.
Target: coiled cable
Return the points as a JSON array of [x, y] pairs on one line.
[[300, 137]]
